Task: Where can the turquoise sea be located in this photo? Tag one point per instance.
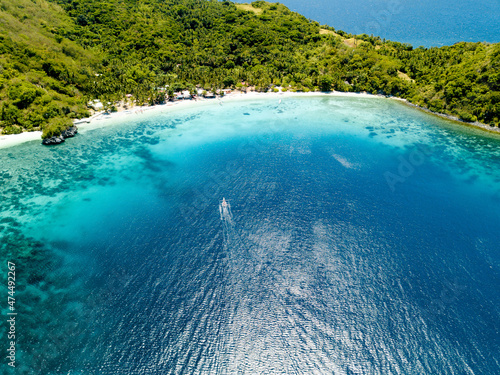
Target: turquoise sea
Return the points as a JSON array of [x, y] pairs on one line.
[[418, 22], [364, 240]]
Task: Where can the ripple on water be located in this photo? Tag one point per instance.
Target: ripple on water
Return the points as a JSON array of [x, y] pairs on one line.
[[323, 269]]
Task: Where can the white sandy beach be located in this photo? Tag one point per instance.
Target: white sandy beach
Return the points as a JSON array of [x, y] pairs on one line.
[[95, 120], [98, 119], [15, 139]]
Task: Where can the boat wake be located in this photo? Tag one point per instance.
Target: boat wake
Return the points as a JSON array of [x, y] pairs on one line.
[[227, 219], [225, 212]]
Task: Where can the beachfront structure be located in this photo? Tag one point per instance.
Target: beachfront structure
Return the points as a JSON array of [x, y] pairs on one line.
[[96, 105]]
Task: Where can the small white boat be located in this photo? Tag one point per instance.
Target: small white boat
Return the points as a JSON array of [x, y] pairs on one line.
[[225, 210]]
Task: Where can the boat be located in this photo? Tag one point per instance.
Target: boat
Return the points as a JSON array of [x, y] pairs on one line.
[[225, 210]]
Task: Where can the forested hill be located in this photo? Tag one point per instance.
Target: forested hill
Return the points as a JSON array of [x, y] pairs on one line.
[[57, 55]]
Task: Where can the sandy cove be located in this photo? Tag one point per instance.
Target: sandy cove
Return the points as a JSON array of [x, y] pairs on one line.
[[97, 120], [123, 113]]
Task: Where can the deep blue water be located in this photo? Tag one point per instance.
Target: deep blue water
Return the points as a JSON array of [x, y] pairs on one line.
[[364, 240], [421, 23]]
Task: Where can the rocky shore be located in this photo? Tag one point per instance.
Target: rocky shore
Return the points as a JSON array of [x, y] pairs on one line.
[[55, 140]]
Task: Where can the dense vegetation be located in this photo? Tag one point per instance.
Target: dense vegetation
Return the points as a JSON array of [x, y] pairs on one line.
[[57, 55], [42, 75]]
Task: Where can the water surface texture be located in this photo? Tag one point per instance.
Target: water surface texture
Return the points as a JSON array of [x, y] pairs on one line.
[[363, 240], [421, 23]]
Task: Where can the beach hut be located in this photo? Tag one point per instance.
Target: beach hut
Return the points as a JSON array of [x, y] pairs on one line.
[[96, 105]]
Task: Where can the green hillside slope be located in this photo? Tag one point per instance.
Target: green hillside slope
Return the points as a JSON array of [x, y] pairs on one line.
[[43, 74], [57, 55]]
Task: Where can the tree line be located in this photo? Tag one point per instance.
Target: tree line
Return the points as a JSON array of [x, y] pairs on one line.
[[106, 49]]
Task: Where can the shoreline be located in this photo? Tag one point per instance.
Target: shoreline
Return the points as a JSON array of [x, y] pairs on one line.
[[455, 119], [10, 140], [95, 121]]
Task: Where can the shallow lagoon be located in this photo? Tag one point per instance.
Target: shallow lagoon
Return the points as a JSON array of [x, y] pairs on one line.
[[365, 240]]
